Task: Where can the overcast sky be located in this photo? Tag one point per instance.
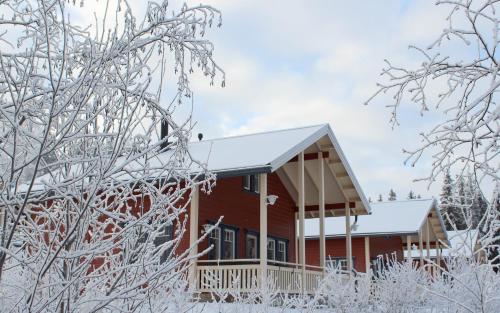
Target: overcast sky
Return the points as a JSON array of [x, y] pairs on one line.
[[294, 63]]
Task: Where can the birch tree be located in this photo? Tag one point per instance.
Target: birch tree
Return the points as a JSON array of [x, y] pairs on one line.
[[458, 78], [93, 202], [460, 87]]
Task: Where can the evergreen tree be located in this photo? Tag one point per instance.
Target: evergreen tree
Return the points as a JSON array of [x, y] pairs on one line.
[[461, 204], [411, 195], [392, 195], [446, 199], [380, 198], [419, 196]]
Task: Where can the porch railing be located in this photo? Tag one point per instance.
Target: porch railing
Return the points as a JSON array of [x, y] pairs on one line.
[[244, 275]]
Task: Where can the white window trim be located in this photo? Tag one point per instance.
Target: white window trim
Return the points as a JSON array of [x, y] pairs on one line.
[[217, 230], [281, 243], [274, 249], [256, 246], [233, 242]]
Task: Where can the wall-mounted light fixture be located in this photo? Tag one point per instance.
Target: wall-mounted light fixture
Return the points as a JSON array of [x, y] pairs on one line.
[[271, 199]]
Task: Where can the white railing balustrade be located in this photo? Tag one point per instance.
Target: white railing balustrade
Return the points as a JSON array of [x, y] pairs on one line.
[[244, 275]]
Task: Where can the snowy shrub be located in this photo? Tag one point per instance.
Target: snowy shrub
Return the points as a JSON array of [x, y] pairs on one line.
[[343, 292], [467, 286], [400, 287]]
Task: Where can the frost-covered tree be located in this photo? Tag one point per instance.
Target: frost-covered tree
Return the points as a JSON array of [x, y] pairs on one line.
[[462, 88], [92, 204], [446, 204], [392, 195]]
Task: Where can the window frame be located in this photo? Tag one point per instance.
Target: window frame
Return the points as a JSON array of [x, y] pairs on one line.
[[256, 238], [281, 243], [221, 241], [336, 260], [250, 183], [269, 240], [227, 230]]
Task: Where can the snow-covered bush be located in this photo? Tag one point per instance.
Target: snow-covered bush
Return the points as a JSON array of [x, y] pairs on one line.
[[400, 287], [344, 293], [466, 286]]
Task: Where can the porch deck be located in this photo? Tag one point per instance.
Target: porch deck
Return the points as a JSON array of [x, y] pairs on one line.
[[244, 275]]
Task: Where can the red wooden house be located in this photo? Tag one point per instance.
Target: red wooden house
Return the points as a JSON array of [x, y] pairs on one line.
[[268, 184], [392, 227]]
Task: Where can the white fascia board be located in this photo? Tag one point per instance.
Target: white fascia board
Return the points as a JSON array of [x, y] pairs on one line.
[[348, 169], [301, 146]]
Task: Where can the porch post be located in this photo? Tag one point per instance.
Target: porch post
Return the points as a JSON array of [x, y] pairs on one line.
[[193, 231], [408, 248], [348, 237], [302, 245], [428, 240], [322, 243], [296, 238], [367, 254], [263, 228], [438, 251], [421, 248]]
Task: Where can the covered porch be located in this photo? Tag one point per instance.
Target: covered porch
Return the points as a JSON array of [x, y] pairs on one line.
[[317, 177]]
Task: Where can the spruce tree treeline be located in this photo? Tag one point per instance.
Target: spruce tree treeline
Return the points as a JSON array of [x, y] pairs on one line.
[[461, 202]]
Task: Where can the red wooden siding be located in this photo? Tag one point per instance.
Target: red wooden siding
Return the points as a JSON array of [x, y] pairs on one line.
[[336, 248], [386, 245], [240, 209]]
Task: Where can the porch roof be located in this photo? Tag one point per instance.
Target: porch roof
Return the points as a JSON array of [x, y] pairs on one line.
[[461, 242], [274, 151], [388, 218]]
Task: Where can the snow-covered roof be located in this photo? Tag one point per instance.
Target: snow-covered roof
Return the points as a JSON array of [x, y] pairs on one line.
[[387, 218], [266, 152], [461, 242]]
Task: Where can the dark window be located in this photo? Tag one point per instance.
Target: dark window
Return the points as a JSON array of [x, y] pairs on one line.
[[214, 240], [271, 249], [224, 240], [338, 263], [229, 244], [165, 234], [251, 183], [251, 246], [281, 251]]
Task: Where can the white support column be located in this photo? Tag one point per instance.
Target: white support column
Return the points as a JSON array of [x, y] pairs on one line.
[[193, 230], [296, 238], [408, 248], [428, 239], [421, 248], [367, 254], [302, 245], [348, 244], [263, 228], [438, 251], [322, 244]]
